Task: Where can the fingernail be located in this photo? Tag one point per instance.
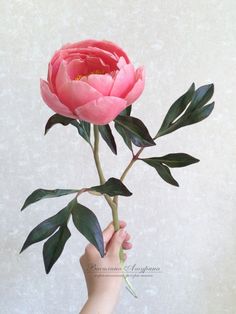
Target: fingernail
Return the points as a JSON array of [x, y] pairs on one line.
[[122, 233]]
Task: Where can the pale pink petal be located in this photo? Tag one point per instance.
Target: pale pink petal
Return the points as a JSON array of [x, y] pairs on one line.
[[102, 44], [101, 82], [62, 76], [121, 62], [77, 93], [95, 63], [102, 110], [49, 78], [77, 67], [137, 90], [55, 62], [124, 81], [53, 102], [105, 56], [114, 48]]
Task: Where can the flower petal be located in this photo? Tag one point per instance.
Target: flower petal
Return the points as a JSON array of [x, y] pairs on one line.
[[102, 44], [76, 67], [102, 110], [77, 93], [101, 82], [124, 81], [121, 62], [53, 102], [95, 63], [62, 76], [114, 48], [105, 56], [137, 90]]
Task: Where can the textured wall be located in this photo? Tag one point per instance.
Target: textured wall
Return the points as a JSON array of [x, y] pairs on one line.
[[189, 232]]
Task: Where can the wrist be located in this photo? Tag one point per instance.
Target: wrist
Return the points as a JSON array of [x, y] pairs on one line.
[[103, 303]]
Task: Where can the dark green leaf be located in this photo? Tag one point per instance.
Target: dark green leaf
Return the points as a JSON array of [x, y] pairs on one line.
[[126, 111], [195, 112], [112, 187], [162, 170], [198, 114], [40, 194], [87, 224], [108, 137], [178, 107], [175, 160], [124, 135], [48, 226], [83, 128], [136, 131], [54, 246], [55, 119], [202, 95]]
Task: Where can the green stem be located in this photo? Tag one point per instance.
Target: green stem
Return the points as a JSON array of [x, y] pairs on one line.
[[96, 155], [125, 172], [113, 206], [113, 203]]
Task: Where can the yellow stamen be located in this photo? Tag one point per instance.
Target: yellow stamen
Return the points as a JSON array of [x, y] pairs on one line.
[[79, 77]]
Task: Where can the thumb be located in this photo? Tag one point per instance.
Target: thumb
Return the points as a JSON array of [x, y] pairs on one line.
[[116, 242]]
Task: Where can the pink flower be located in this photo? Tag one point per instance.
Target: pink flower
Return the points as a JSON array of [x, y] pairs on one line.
[[92, 81]]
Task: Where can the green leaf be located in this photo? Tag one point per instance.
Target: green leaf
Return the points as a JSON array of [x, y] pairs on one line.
[[108, 137], [175, 160], [202, 95], [195, 112], [124, 135], [162, 170], [40, 194], [83, 128], [112, 187], [48, 227], [87, 224], [136, 131], [55, 119], [54, 246], [126, 111], [199, 114], [178, 107]]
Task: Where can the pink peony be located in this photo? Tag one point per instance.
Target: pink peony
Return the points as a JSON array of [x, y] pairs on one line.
[[92, 81]]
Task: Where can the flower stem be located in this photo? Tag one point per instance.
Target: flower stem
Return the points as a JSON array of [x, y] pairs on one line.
[[113, 206], [96, 155], [132, 161]]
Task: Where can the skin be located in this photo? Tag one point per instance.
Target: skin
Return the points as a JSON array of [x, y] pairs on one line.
[[104, 287]]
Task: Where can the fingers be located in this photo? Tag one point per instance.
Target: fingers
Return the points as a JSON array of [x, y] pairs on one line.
[[116, 242], [109, 231], [126, 245]]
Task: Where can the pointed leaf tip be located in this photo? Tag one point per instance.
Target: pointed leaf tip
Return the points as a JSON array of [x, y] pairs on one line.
[[175, 160], [87, 224], [162, 170], [40, 194], [108, 137], [135, 130], [57, 119], [47, 227], [54, 246], [112, 187], [190, 108]]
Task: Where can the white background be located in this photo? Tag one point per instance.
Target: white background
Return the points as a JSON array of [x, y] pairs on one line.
[[189, 232]]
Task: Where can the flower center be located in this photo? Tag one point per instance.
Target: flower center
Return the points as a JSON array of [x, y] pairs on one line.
[[79, 76]]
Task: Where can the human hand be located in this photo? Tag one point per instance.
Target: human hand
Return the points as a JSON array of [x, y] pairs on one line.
[[104, 275]]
